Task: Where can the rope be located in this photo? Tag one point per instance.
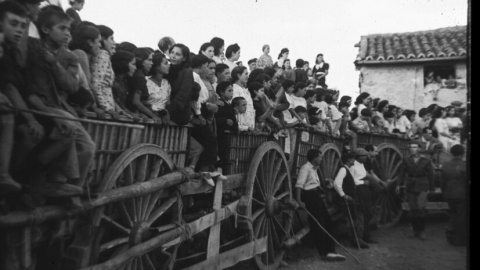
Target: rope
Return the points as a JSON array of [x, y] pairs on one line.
[[329, 235]]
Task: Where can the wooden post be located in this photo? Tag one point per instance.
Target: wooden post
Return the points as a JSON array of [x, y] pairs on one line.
[[214, 237]]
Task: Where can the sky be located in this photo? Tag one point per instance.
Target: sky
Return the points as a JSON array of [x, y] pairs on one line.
[[305, 27]]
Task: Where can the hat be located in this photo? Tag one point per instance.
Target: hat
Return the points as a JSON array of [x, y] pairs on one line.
[[360, 152], [456, 103]]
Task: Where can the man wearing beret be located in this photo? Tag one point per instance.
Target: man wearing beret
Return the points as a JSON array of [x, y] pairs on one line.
[[417, 179]]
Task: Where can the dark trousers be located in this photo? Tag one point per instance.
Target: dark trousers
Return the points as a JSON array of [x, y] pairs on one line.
[[316, 206], [458, 221], [356, 224], [205, 137], [417, 202], [364, 200]]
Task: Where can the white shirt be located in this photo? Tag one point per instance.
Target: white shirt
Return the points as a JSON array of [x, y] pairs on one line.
[[358, 172], [159, 96], [242, 121], [336, 114], [33, 31], [360, 107], [239, 91], [322, 105], [307, 177], [403, 124], [294, 102], [338, 183], [230, 65], [203, 92]]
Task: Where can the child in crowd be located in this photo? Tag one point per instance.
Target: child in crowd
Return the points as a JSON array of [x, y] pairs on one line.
[[315, 118], [310, 98], [240, 107], [363, 121], [345, 130], [124, 65], [159, 89], [72, 12], [378, 125]]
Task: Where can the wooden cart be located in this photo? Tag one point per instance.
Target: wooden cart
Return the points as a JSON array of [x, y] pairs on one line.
[[140, 214]]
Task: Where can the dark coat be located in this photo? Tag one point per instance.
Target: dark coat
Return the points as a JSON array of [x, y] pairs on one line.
[[225, 112], [454, 177], [181, 97]]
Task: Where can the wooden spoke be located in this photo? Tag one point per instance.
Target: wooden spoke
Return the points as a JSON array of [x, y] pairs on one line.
[[115, 224], [282, 195], [280, 225], [158, 212], [276, 169], [279, 182], [147, 262], [126, 214], [257, 201], [113, 243], [260, 188], [258, 213]]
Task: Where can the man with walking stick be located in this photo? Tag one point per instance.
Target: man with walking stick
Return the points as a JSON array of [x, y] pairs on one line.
[[309, 195], [344, 184], [417, 179]]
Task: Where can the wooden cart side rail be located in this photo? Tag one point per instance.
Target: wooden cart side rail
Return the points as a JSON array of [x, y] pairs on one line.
[[168, 238]]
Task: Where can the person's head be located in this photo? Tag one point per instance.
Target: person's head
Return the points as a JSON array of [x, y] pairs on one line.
[[439, 112], [364, 98], [375, 103], [427, 133], [266, 49], [218, 46], [288, 86], [328, 99], [256, 90], [377, 121], [239, 104], [299, 63], [299, 89], [431, 107], [144, 59], [225, 90], [123, 63], [207, 49], [424, 114], [360, 154], [319, 58], [222, 71], [160, 64], [410, 114], [301, 111], [366, 114], [382, 106], [240, 75], [392, 109], [312, 83], [265, 80], [314, 156], [283, 53], [233, 52], [371, 149], [414, 147], [32, 7], [200, 64], [451, 111], [457, 150], [286, 64], [126, 46], [180, 55], [348, 159], [165, 44], [77, 4], [108, 42], [347, 99], [306, 65], [310, 96], [54, 27], [269, 71], [315, 112], [389, 116], [13, 20], [252, 64], [87, 39], [210, 75], [343, 107]]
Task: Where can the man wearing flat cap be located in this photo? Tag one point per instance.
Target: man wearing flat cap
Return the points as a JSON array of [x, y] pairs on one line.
[[417, 179], [364, 198]]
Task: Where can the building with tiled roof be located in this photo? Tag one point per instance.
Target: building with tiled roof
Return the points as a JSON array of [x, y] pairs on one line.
[[399, 66]]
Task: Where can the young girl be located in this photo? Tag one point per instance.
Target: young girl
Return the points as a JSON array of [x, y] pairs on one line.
[[207, 49], [72, 12], [124, 65], [454, 123], [282, 56], [378, 125], [289, 72], [239, 80], [158, 87]]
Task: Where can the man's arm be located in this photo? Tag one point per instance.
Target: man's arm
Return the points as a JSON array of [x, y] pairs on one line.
[[338, 182]]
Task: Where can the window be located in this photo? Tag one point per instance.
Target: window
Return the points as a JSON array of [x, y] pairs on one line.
[[442, 76]]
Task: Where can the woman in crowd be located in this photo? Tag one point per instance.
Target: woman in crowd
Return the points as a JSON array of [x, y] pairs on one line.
[[282, 56], [207, 49], [124, 65], [265, 60], [219, 48], [454, 122], [239, 80], [320, 70], [335, 114], [440, 125], [159, 88], [402, 122], [347, 99], [362, 101], [72, 11], [289, 72], [102, 73], [180, 78]]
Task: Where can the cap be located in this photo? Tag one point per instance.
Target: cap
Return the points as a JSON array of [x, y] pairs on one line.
[[456, 103], [360, 152]]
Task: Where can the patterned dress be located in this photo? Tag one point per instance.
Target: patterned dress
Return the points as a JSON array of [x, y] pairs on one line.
[[159, 95], [102, 80], [264, 61]]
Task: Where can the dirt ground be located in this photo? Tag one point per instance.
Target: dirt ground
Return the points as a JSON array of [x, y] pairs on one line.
[[396, 250]]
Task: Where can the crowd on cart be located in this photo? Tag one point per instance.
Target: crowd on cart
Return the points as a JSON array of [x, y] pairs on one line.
[[54, 64]]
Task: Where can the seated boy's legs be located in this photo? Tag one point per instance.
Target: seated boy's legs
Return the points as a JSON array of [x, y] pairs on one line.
[[7, 184]]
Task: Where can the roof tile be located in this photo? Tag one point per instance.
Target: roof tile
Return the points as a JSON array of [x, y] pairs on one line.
[[437, 43]]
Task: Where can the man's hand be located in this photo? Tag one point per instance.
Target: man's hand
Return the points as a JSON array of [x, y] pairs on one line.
[[366, 182], [219, 103], [36, 129], [347, 198], [229, 122], [65, 128], [99, 112], [301, 204], [203, 122], [115, 115]]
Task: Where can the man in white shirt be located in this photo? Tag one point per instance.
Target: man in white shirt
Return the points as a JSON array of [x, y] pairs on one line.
[[200, 67], [309, 195], [364, 197], [232, 54]]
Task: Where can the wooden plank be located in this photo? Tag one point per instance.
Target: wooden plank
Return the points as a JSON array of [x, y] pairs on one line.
[[430, 206], [214, 238], [233, 256]]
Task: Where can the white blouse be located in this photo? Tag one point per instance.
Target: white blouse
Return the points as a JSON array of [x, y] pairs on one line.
[[159, 96], [239, 91]]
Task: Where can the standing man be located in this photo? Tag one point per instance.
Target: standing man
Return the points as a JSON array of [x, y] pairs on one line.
[[308, 189], [364, 197], [417, 179], [454, 177]]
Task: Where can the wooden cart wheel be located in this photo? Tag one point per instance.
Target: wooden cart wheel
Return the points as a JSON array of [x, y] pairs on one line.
[[327, 171], [388, 204], [268, 188], [130, 222]]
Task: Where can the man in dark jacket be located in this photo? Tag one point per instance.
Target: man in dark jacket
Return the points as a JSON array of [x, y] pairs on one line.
[[417, 179], [225, 118], [454, 177]]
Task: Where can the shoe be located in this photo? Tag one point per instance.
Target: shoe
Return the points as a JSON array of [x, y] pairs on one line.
[[361, 243], [208, 178], [218, 174], [8, 185], [422, 235], [283, 264], [333, 257]]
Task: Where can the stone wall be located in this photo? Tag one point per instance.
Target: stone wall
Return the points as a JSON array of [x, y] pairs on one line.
[[403, 85]]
